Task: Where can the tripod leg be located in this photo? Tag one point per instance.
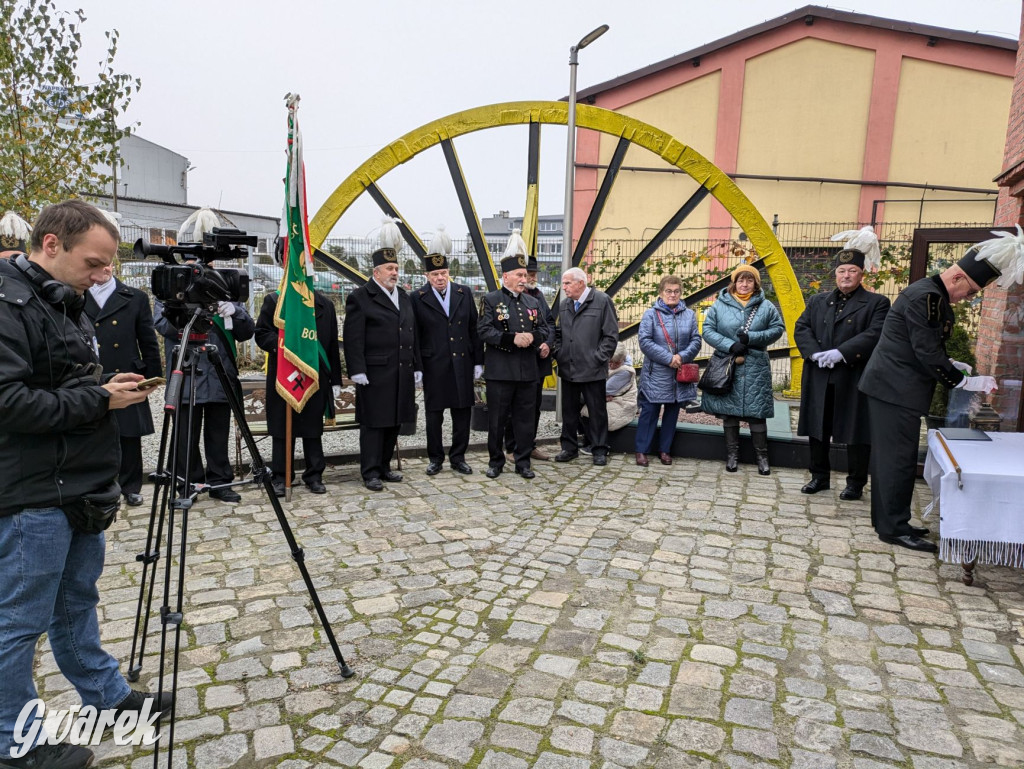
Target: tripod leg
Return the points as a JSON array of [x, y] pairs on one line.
[[261, 473]]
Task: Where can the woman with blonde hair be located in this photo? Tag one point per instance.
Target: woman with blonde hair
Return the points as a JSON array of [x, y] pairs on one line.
[[743, 323]]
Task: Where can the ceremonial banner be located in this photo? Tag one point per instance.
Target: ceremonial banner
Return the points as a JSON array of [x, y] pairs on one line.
[[298, 351]]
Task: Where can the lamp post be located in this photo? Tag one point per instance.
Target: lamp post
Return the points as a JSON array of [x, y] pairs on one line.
[[570, 172]]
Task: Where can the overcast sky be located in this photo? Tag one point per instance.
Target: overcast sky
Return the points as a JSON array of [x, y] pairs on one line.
[[214, 74]]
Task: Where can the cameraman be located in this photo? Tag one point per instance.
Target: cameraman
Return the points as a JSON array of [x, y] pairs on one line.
[[59, 458]]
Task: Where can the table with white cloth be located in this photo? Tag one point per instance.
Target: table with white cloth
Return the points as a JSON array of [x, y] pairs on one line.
[[981, 506]]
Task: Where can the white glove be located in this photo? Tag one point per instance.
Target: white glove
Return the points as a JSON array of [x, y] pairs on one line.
[[965, 367], [417, 377], [360, 379], [816, 355], [978, 384], [478, 371], [830, 358], [225, 309], [336, 391]]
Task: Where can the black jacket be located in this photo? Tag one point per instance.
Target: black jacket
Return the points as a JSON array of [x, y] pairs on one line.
[[128, 343], [586, 338], [56, 443], [549, 318], [310, 421], [449, 346], [502, 315], [854, 332], [380, 341], [911, 355]]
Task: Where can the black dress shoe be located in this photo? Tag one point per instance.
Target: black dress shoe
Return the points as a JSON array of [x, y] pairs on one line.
[[493, 472], [462, 467], [433, 468], [278, 489], [911, 542], [391, 477], [566, 456], [374, 484], [226, 495], [814, 486], [600, 459], [63, 755], [919, 531], [526, 472], [136, 700], [851, 492], [133, 500], [317, 487]]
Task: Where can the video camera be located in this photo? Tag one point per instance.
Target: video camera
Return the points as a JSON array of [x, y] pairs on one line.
[[192, 281]]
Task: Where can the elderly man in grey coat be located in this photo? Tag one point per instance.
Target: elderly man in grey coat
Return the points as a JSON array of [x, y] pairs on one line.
[[586, 332]]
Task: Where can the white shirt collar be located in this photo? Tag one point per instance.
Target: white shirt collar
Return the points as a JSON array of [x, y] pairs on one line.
[[101, 291]]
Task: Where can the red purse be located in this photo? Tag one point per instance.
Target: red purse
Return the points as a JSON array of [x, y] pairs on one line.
[[688, 373]]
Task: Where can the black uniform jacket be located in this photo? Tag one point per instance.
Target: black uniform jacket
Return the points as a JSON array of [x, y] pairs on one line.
[[449, 346], [911, 354], [380, 341], [854, 331], [127, 341], [502, 315], [56, 442], [310, 421], [546, 366], [586, 338]]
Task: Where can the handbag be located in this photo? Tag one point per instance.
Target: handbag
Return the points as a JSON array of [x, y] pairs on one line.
[[721, 369], [688, 373]]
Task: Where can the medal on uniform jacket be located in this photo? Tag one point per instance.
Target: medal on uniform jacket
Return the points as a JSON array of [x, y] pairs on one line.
[[533, 316], [501, 313]]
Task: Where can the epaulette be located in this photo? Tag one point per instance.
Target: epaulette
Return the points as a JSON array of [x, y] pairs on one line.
[[933, 309]]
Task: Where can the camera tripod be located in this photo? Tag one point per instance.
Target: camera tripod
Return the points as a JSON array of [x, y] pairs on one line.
[[173, 498]]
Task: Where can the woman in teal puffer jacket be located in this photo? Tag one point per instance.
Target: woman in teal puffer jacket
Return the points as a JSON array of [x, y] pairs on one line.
[[750, 399]]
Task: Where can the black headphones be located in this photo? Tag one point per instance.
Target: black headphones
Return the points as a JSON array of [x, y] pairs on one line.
[[52, 291]]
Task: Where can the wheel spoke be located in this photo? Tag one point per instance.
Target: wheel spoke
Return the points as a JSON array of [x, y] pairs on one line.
[[599, 201], [531, 213], [476, 231], [334, 263], [386, 206]]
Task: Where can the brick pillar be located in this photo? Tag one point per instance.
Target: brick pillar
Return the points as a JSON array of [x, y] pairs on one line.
[[1000, 348]]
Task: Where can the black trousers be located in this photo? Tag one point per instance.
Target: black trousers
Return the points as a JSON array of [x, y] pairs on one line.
[[515, 402], [130, 476], [895, 432], [312, 452], [376, 447], [592, 394], [510, 441], [213, 420], [460, 435], [858, 454]]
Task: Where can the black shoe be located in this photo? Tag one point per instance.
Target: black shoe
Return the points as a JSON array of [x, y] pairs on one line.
[[919, 531], [493, 472], [136, 700], [433, 468], [851, 492], [279, 489], [391, 477], [815, 485], [373, 484], [317, 487], [62, 756], [133, 500], [586, 450], [600, 459], [526, 472], [911, 542], [462, 467], [226, 495], [693, 407], [566, 456]]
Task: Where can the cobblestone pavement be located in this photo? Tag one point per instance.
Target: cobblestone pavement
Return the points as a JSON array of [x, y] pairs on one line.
[[593, 618]]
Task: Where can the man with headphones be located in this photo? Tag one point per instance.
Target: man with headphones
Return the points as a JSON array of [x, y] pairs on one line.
[[59, 460]]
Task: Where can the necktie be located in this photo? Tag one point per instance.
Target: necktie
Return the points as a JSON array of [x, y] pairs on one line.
[[443, 293], [577, 306]]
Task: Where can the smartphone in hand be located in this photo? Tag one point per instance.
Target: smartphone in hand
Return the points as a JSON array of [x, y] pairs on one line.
[[147, 384]]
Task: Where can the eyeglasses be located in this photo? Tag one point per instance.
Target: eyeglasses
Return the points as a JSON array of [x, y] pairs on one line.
[[672, 291]]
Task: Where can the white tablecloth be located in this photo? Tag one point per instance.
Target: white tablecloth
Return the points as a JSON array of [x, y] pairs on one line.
[[984, 519]]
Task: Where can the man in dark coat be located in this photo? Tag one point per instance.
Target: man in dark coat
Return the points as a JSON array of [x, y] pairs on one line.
[[544, 353], [123, 323], [453, 356], [586, 333], [382, 356], [307, 424], [210, 415], [899, 381], [836, 334], [512, 327]]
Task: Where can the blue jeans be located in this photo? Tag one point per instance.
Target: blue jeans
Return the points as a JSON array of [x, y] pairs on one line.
[[648, 421], [48, 575]]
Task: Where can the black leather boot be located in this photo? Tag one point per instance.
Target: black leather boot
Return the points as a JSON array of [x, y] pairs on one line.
[[760, 441], [732, 448]]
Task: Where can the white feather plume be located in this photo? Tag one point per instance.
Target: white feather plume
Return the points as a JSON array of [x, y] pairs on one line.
[[865, 241], [516, 245], [441, 243], [13, 226], [113, 217], [390, 236], [1005, 252], [198, 224]]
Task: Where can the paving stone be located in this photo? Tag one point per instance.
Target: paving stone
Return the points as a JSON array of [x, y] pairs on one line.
[[875, 745], [749, 713], [469, 706], [495, 760], [453, 739], [572, 739], [695, 736], [223, 752], [755, 741], [272, 741]]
